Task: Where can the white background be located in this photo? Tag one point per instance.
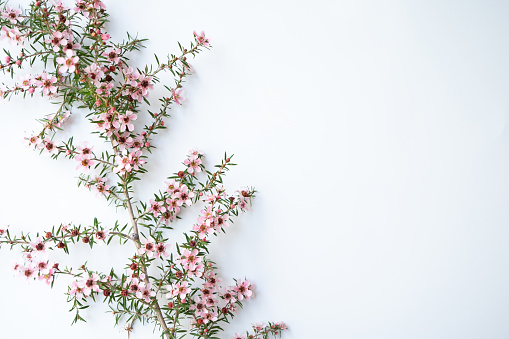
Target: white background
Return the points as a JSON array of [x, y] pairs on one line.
[[376, 135]]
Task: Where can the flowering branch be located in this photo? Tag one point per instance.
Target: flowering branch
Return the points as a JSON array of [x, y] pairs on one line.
[[84, 68]]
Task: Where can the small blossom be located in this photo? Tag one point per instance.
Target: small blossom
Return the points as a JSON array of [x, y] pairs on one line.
[[178, 97], [200, 38], [68, 63]]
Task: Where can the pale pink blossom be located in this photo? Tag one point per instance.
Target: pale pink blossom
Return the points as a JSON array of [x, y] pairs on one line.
[[193, 164], [156, 207], [145, 84], [47, 84], [39, 245], [180, 289], [57, 39], [147, 247], [78, 289], [113, 55], [11, 14], [190, 259], [91, 284], [145, 292], [200, 310], [243, 289], [47, 276], [94, 73], [84, 163], [178, 97], [26, 82], [86, 150], [14, 35], [68, 63], [161, 250], [125, 121], [184, 195], [200, 38]]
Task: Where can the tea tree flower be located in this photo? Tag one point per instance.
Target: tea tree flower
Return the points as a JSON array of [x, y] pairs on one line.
[[68, 63]]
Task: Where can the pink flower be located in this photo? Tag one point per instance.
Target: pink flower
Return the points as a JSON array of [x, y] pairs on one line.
[[123, 163], [122, 140], [180, 289], [91, 284], [145, 84], [157, 207], [101, 188], [95, 73], [173, 205], [184, 195], [238, 336], [147, 247], [210, 316], [78, 289], [57, 39], [134, 285], [243, 289], [177, 96], [11, 14], [84, 162], [200, 310], [161, 250], [86, 150], [125, 121], [190, 259], [193, 164], [229, 297], [200, 39], [113, 55], [171, 186], [42, 266], [39, 245], [28, 271], [203, 230], [14, 35], [26, 82], [101, 234], [68, 63], [145, 292], [47, 84], [48, 276]]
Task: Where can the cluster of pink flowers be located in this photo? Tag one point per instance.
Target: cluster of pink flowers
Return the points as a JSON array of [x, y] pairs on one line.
[[87, 7], [137, 286], [169, 207], [191, 263], [45, 82], [210, 221], [244, 198], [35, 264], [84, 287], [139, 84], [212, 297], [85, 157], [262, 331], [151, 249], [85, 68]]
